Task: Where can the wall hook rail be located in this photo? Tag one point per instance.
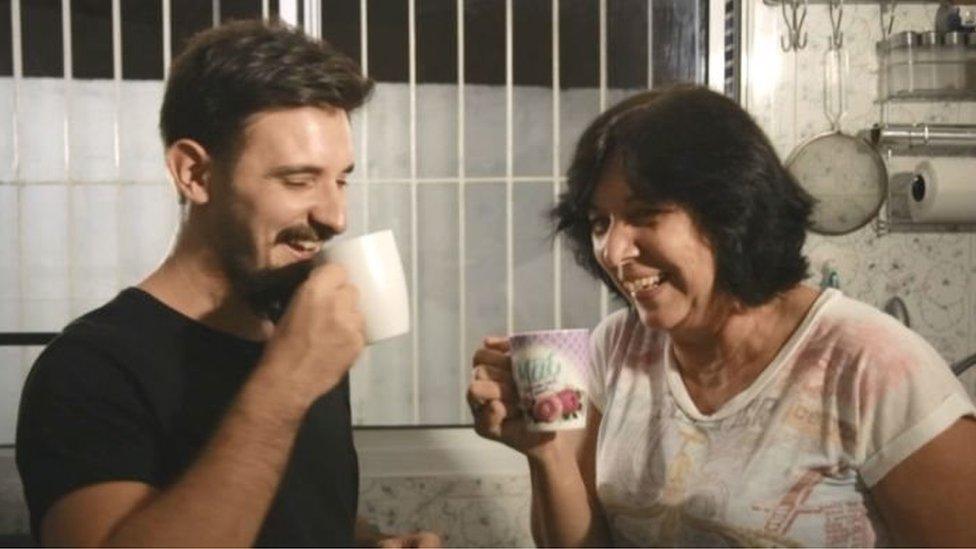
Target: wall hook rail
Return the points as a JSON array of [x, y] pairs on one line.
[[836, 18], [886, 16], [796, 38]]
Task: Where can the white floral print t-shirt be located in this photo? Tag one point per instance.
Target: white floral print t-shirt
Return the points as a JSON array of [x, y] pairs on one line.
[[787, 462]]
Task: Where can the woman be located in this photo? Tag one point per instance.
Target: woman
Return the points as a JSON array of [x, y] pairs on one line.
[[730, 404]]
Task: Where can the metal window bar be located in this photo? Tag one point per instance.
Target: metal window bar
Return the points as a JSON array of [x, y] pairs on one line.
[[509, 171], [414, 244], [604, 293], [463, 413], [557, 255], [312, 22]]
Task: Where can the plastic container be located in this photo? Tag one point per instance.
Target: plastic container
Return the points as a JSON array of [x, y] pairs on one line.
[[928, 57], [900, 54], [951, 70]]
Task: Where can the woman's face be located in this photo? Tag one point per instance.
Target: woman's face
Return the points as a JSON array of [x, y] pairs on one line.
[[655, 254]]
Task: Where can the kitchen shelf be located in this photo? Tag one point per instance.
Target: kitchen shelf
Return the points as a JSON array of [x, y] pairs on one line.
[[915, 97], [778, 2]]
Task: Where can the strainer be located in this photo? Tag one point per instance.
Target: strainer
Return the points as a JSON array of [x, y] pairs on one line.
[[844, 173]]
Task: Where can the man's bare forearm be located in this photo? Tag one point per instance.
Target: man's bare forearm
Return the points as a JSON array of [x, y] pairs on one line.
[[222, 499]]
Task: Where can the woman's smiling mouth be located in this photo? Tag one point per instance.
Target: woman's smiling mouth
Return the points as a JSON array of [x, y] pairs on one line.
[[644, 286]]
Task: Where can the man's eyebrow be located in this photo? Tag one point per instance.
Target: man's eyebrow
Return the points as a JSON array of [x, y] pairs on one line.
[[284, 171], [349, 169]]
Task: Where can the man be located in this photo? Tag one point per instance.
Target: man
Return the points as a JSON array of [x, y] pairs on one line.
[[209, 405]]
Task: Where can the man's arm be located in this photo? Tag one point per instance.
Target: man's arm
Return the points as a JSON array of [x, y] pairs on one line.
[[223, 497]]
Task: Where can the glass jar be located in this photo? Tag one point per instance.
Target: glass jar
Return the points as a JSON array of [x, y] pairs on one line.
[[926, 64], [900, 53], [881, 49], [951, 71]]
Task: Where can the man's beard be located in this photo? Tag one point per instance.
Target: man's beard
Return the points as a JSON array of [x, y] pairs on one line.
[[266, 290]]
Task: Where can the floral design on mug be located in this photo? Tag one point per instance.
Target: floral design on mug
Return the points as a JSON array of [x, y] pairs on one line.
[[551, 407]]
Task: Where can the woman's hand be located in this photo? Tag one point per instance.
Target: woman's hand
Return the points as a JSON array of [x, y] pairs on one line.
[[493, 398]]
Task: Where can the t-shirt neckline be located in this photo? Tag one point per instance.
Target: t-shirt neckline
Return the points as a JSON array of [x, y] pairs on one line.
[[679, 391], [182, 320]]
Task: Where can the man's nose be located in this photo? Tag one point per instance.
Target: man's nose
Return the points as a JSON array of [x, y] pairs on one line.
[[330, 207], [619, 245]]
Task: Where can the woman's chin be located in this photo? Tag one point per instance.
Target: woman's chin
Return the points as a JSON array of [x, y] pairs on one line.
[[658, 318]]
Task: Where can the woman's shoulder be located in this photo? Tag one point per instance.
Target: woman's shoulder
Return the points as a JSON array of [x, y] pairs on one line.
[[856, 328]]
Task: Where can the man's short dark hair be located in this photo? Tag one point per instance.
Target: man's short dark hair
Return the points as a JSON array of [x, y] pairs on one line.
[[226, 74], [698, 149]]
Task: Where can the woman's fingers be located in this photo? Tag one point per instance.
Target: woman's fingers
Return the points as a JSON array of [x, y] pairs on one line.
[[497, 343], [491, 357], [490, 418]]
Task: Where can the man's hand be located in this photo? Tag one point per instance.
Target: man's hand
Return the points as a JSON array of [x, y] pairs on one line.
[[414, 539], [321, 333]]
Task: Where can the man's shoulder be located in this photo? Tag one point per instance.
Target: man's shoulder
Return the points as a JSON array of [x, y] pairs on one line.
[[115, 334]]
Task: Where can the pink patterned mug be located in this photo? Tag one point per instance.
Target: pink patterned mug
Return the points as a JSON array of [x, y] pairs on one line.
[[549, 368]]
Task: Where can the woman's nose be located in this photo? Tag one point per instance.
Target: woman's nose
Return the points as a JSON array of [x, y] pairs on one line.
[[619, 246]]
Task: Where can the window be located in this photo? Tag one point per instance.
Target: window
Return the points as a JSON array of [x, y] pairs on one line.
[[461, 152]]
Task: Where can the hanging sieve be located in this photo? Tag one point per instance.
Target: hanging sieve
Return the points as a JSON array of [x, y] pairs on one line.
[[844, 173]]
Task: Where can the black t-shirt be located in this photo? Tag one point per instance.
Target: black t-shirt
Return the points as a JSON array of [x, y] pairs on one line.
[[133, 390]]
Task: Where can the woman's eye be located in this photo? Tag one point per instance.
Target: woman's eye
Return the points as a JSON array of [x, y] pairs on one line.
[[598, 225], [645, 217]]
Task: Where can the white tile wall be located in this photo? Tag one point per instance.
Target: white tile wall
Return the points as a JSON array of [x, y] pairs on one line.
[[91, 131], [41, 130]]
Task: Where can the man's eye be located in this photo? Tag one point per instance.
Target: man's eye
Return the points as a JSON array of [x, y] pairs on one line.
[[298, 181]]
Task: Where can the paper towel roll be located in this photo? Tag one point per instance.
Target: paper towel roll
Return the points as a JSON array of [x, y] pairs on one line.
[[944, 191]]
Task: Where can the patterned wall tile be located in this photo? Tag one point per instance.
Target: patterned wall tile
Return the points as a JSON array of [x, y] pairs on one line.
[[490, 511], [935, 274]]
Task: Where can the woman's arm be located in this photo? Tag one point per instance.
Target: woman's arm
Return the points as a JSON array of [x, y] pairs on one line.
[[565, 509], [929, 499]]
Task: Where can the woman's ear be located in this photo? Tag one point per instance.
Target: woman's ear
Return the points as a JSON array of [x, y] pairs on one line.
[[191, 168]]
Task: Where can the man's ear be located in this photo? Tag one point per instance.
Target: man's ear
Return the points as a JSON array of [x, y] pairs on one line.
[[192, 169]]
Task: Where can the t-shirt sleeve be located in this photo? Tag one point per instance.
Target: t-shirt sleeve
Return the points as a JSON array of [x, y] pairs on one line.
[[906, 395], [82, 421]]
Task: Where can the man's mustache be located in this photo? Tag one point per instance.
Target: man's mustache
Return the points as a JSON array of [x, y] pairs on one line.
[[319, 233]]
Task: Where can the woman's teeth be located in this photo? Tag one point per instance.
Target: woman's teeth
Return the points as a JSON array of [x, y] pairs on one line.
[[634, 286]]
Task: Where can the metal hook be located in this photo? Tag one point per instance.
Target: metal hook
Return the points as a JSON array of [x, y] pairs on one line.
[[889, 7], [836, 17], [794, 24]]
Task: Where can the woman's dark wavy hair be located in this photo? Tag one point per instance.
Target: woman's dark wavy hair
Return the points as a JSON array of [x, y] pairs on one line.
[[226, 74], [696, 148]]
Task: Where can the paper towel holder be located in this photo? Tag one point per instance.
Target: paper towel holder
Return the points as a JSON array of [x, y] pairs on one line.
[[894, 215]]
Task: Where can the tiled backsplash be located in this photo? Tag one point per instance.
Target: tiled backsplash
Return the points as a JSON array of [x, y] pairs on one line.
[[935, 274]]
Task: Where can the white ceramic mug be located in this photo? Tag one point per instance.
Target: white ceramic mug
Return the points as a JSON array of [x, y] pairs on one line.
[[374, 267]]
